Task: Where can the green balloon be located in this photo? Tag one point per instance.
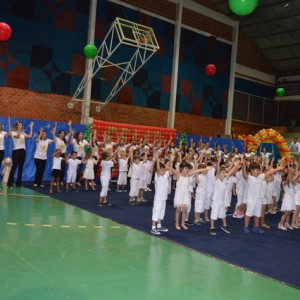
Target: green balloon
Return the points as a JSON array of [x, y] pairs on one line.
[[242, 7], [90, 51], [280, 92]]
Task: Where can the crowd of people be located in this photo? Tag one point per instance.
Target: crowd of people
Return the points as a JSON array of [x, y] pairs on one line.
[[198, 172]]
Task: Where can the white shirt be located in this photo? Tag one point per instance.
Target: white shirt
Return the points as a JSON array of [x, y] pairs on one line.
[[20, 142], [79, 148], [255, 187], [123, 164], [295, 147], [161, 186], [41, 149], [136, 170], [60, 144], [73, 164], [202, 183], [2, 134], [211, 180], [219, 191], [106, 169], [56, 163]]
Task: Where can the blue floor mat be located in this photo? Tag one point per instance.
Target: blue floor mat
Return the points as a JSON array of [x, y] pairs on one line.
[[273, 254]]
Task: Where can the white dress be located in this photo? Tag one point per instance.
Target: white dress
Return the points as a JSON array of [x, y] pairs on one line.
[[89, 169], [297, 193], [182, 194], [288, 202]]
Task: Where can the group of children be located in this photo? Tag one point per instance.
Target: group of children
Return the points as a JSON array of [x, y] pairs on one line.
[[208, 177]]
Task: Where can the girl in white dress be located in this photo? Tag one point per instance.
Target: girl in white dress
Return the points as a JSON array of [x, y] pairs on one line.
[[89, 173], [288, 202], [295, 221], [182, 196]]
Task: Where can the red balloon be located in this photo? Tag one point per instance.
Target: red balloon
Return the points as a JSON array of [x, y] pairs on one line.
[[210, 70], [5, 32]]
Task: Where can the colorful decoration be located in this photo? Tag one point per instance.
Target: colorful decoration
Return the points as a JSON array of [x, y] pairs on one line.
[[210, 70], [127, 132], [183, 139], [280, 92], [253, 142], [5, 32], [90, 51], [242, 7]]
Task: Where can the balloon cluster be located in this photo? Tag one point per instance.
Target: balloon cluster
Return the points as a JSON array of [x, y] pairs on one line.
[[183, 139], [253, 142], [87, 136]]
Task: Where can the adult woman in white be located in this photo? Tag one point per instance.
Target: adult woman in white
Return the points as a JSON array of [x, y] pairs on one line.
[[61, 142], [3, 134], [19, 153], [40, 155], [79, 143]]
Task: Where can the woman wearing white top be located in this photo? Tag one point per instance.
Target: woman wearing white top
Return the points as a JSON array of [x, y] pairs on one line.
[[79, 144], [18, 153], [40, 155], [265, 156], [61, 142]]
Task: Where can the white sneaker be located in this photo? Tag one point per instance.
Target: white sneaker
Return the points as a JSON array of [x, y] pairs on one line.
[[155, 231], [288, 226], [281, 227]]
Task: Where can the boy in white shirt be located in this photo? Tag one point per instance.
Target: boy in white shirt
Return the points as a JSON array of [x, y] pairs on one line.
[[73, 163], [107, 164], [123, 168], [135, 178], [254, 200]]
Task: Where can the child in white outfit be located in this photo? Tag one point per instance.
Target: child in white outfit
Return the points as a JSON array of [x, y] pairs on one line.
[[73, 163], [161, 181]]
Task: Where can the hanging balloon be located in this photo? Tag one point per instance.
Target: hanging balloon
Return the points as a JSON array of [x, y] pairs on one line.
[[210, 70], [280, 92], [90, 51], [5, 32], [242, 7]]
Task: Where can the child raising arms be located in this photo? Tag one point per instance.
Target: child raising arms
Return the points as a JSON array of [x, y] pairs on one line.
[[161, 180], [253, 197], [182, 196]]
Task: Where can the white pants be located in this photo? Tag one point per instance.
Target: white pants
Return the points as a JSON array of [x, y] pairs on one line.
[[217, 210], [159, 208], [104, 190], [254, 208], [199, 202], [122, 178], [71, 177], [134, 187]]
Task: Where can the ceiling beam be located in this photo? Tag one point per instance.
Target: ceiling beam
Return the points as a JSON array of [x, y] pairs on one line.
[[279, 47], [262, 36]]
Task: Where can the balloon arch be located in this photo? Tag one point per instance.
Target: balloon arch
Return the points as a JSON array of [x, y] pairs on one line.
[[267, 135]]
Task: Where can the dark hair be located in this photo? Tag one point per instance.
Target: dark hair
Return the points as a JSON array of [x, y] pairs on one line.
[[77, 136], [64, 139], [73, 152], [254, 166], [185, 164]]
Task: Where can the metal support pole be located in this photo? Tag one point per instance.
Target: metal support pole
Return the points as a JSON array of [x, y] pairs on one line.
[[174, 81], [228, 123], [85, 108]]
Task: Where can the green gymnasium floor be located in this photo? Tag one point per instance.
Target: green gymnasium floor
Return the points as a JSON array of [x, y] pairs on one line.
[[52, 250]]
